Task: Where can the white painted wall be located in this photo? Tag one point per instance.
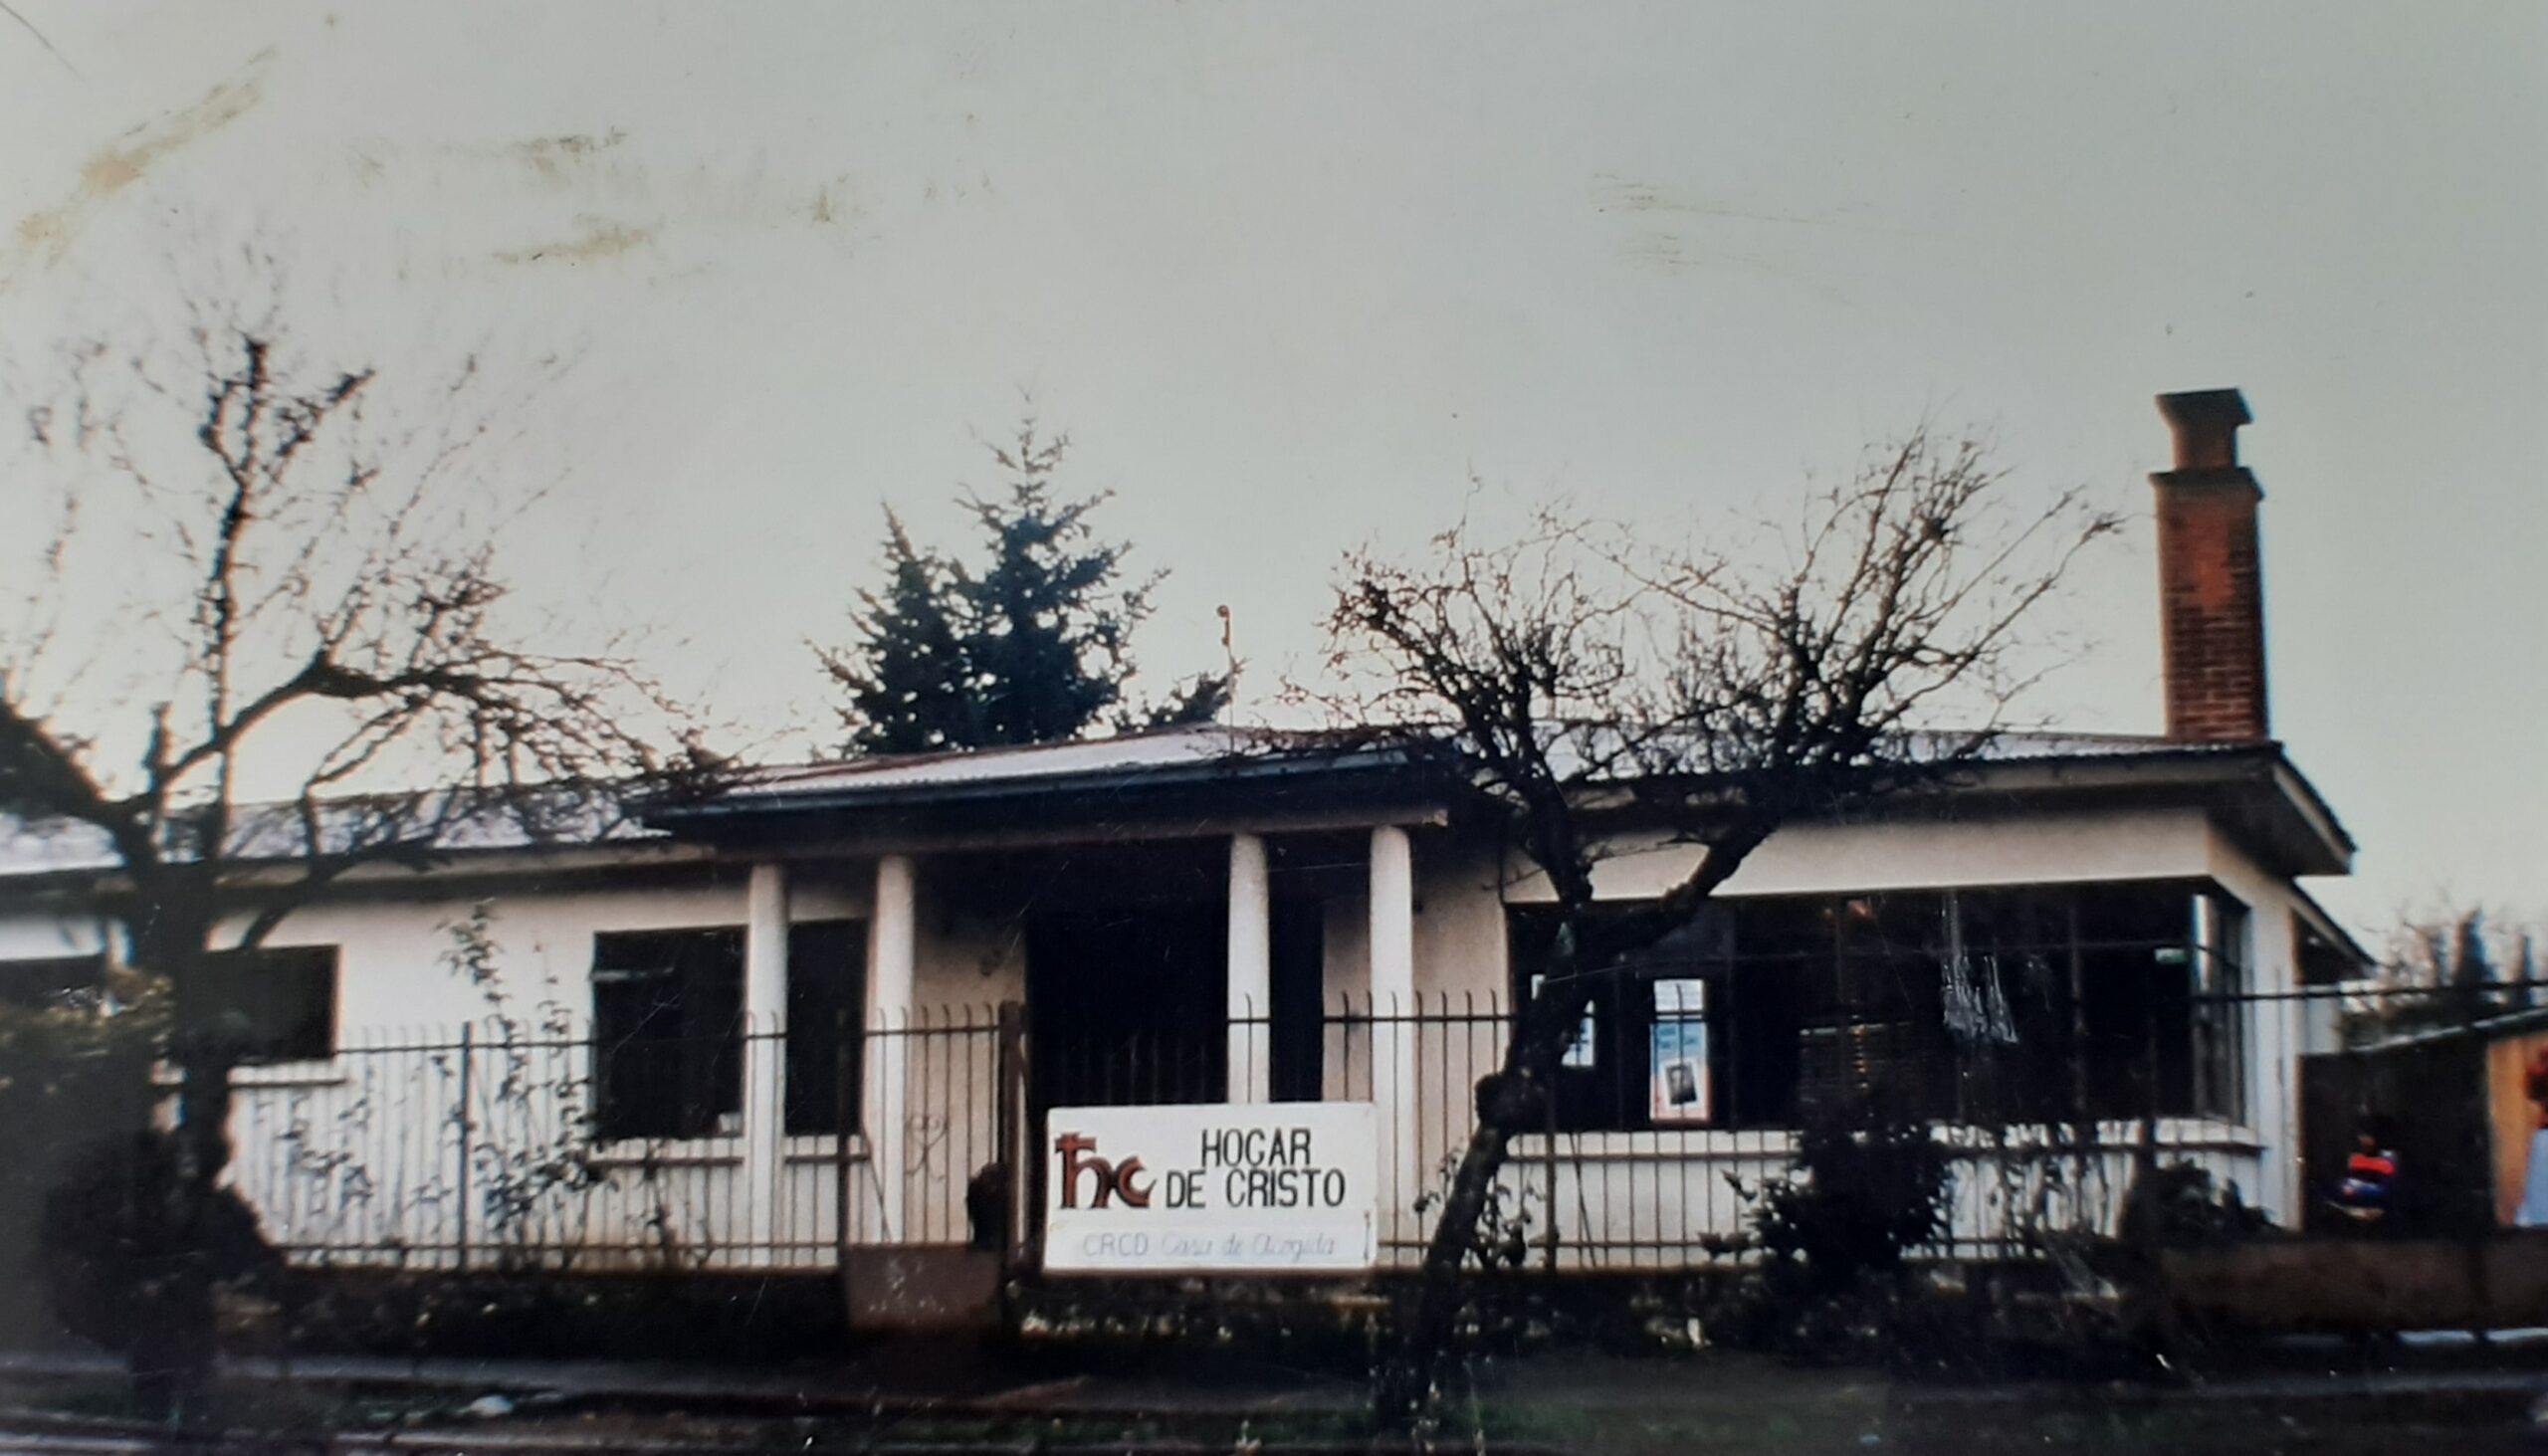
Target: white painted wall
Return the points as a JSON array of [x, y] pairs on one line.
[[1611, 1187], [1914, 854], [1651, 1189], [44, 934], [2277, 1030], [393, 975]]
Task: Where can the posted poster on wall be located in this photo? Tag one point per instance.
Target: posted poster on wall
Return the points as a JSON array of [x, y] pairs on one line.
[[1677, 1062]]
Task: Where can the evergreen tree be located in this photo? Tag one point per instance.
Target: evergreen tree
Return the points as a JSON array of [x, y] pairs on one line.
[[1034, 646], [907, 680], [1051, 622], [1200, 698], [2471, 972]]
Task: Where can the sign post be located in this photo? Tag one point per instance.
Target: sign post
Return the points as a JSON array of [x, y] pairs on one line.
[[1213, 1188]]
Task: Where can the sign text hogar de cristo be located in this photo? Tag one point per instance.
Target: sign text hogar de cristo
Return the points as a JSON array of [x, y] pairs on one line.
[[1237, 1188]]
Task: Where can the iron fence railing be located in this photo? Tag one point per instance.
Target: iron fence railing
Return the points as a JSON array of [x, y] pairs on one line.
[[1646, 1187], [477, 1149], [490, 1148]]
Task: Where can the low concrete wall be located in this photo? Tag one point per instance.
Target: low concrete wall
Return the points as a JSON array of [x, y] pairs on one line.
[[922, 1288], [2494, 1281]]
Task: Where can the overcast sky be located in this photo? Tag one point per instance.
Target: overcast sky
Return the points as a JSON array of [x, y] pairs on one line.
[[1291, 274]]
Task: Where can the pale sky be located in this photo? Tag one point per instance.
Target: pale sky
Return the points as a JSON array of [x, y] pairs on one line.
[[1291, 274]]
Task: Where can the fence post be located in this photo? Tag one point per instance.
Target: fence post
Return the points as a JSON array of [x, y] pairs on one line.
[[1015, 1138], [844, 1124], [461, 1203], [1548, 1185]]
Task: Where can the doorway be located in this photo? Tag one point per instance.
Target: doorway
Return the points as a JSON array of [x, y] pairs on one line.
[[1129, 1006], [1124, 1006]]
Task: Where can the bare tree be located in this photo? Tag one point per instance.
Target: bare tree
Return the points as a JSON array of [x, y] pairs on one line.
[[259, 626], [1580, 680], [2448, 963]]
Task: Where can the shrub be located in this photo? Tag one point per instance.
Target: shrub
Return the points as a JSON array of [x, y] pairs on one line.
[[118, 1244], [1867, 1188]]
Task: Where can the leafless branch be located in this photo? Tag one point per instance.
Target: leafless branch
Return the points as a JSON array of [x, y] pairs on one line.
[[1580, 679]]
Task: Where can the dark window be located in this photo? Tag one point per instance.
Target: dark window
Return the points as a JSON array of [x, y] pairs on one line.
[[2015, 1027], [826, 1010], [2323, 960], [667, 1032], [275, 1003], [1610, 1075], [1126, 1007], [1877, 1031], [1297, 948], [2219, 1048], [55, 980], [2040, 1004]]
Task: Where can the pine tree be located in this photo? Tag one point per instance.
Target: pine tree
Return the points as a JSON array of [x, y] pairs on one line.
[[1051, 623], [908, 679], [1202, 698], [1033, 648]]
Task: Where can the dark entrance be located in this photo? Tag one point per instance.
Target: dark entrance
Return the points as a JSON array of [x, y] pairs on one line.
[[1129, 1006], [1297, 943], [1124, 1006]]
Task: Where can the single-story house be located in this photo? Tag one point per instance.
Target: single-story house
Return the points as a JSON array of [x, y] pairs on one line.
[[804, 1018]]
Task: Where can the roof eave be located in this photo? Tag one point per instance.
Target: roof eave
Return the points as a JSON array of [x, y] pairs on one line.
[[1364, 766]]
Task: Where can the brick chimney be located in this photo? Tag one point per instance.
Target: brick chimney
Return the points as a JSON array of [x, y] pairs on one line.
[[2212, 617]]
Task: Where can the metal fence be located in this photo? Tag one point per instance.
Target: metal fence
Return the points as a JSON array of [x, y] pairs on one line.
[[1588, 1193], [489, 1148]]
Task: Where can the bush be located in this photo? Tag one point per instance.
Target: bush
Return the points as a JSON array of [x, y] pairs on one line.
[[119, 1248], [1866, 1191], [2180, 1205]]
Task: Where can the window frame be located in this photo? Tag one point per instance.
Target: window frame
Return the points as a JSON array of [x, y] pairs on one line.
[[221, 972], [714, 1057], [815, 1112], [61, 979], [2197, 1058]]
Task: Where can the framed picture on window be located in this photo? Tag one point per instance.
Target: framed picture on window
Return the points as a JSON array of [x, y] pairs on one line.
[[1677, 1057]]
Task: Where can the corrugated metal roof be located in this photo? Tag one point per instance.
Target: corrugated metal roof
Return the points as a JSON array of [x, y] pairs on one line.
[[276, 832], [594, 817], [1128, 753], [1208, 744], [53, 847]]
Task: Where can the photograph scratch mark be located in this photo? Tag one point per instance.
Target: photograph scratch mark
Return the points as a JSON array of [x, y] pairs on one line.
[[1675, 254], [600, 239], [555, 160], [1683, 234], [46, 236], [12, 12], [1621, 194]]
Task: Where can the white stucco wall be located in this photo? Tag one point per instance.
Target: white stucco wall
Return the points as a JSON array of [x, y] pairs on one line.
[[1649, 1195], [1910, 854], [393, 971], [41, 935], [1655, 1190], [2275, 1029], [1463, 888]]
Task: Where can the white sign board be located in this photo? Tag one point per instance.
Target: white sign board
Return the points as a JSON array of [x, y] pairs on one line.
[[1280, 1187]]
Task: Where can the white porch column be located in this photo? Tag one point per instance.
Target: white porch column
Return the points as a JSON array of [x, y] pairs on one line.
[[765, 1061], [1394, 1075], [1251, 973], [889, 1012], [2275, 1039]]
